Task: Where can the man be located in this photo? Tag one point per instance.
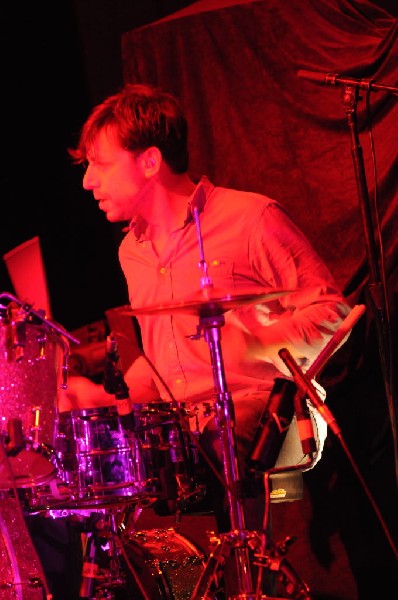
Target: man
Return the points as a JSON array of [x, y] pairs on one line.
[[134, 146]]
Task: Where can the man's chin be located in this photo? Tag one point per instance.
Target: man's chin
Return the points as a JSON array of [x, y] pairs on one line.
[[112, 217]]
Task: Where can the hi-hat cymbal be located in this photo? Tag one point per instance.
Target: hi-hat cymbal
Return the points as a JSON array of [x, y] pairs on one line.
[[211, 301]]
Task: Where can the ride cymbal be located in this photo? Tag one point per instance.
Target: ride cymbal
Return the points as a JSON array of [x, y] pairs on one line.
[[211, 301]]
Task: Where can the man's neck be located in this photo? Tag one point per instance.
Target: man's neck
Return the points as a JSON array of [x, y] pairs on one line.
[[168, 208]]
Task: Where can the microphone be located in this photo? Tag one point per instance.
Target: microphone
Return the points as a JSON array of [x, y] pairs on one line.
[[274, 424], [114, 383], [304, 423], [334, 79], [306, 385], [337, 79], [112, 352], [113, 380]]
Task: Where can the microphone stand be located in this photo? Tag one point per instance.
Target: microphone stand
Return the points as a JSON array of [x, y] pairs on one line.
[[305, 385], [377, 292], [64, 337], [28, 309]]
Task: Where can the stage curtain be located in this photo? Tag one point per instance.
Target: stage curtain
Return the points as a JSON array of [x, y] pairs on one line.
[[255, 124]]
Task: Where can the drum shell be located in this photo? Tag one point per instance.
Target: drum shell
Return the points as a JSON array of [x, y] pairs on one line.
[[31, 380], [98, 460], [31, 358], [167, 563], [169, 454], [19, 563]]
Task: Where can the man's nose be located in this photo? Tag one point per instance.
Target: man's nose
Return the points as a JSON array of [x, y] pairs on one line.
[[90, 181]]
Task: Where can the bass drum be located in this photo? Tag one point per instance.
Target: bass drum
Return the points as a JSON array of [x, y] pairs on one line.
[[160, 564]]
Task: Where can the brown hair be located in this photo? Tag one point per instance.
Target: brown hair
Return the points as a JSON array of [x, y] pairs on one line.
[[141, 116]]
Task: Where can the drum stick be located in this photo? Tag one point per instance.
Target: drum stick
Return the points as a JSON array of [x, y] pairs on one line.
[[339, 335]]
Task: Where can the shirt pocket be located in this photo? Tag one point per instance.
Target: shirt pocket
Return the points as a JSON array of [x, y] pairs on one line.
[[221, 273]]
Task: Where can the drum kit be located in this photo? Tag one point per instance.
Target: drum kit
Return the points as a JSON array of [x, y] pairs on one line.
[[86, 466]]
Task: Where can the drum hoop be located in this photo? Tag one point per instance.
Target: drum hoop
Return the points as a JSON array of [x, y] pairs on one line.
[[99, 410]]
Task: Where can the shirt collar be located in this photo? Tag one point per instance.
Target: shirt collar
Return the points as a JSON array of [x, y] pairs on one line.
[[197, 200]]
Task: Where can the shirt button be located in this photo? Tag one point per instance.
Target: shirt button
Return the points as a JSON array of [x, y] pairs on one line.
[[178, 381], [163, 270]]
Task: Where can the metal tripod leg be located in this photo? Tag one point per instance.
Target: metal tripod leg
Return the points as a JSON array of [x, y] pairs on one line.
[[227, 546], [210, 574], [271, 560]]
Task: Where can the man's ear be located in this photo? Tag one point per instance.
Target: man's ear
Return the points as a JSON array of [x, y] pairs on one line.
[[151, 160]]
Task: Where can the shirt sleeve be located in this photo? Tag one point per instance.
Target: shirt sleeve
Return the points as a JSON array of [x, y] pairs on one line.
[[301, 321], [142, 380]]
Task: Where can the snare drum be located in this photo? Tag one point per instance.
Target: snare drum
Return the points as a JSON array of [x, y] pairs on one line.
[[98, 460], [31, 357]]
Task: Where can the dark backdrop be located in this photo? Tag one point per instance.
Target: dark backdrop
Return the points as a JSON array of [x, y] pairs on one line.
[[57, 59], [254, 125]]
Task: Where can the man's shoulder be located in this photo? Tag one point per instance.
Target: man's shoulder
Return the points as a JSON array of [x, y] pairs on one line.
[[233, 197]]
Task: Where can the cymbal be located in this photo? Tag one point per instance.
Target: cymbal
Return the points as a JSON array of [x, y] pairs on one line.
[[211, 301]]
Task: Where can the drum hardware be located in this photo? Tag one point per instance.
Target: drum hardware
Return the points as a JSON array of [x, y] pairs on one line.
[[35, 430], [103, 571], [38, 314], [273, 560], [18, 335], [155, 564]]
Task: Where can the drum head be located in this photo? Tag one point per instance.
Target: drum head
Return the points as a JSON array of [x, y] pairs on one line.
[[30, 467]]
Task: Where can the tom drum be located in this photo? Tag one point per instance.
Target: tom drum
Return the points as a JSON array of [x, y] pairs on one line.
[[31, 356]]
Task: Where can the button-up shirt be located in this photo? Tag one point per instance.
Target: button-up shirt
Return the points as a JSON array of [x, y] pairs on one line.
[[249, 243]]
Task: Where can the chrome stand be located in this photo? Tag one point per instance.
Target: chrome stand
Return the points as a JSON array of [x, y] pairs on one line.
[[238, 538], [239, 543]]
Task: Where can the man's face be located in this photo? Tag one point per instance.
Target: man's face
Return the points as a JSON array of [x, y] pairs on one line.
[[115, 177]]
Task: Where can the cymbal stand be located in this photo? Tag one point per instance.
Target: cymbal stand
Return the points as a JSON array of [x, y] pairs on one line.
[[237, 539]]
